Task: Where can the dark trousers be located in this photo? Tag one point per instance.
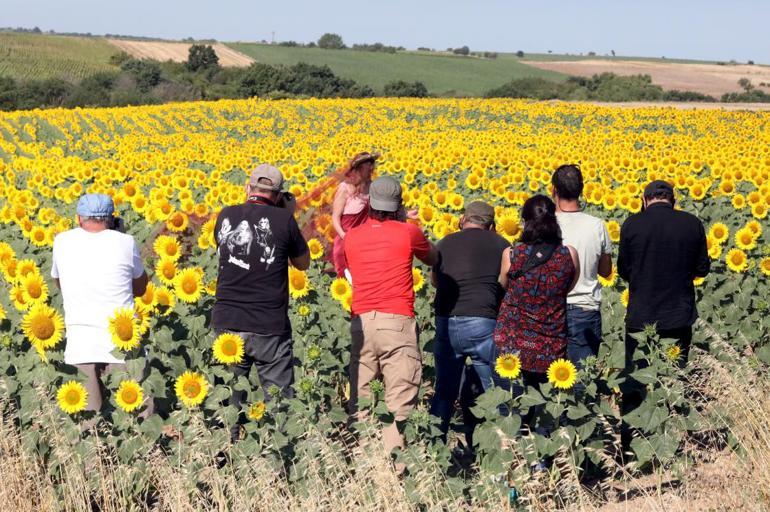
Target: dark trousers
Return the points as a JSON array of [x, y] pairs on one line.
[[458, 338], [584, 334], [634, 392], [274, 360]]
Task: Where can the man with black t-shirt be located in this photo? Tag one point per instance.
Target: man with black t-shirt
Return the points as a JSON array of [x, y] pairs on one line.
[[256, 242], [468, 297]]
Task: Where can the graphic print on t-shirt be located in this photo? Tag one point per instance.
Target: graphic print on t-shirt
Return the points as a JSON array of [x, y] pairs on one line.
[[238, 241]]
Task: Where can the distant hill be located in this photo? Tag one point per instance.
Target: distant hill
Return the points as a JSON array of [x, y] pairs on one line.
[[48, 56], [442, 73]]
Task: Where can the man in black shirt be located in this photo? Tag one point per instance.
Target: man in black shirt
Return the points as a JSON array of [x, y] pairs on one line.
[[661, 251], [256, 241], [468, 297]]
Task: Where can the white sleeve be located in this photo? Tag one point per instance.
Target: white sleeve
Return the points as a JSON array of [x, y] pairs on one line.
[[604, 234], [136, 264], [54, 267]]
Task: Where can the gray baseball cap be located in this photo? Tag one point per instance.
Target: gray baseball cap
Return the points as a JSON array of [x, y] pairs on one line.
[[266, 177], [385, 194], [479, 212], [95, 205]]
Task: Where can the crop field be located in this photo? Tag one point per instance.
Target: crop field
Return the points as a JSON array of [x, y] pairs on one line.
[[702, 438], [32, 56], [441, 73], [177, 52]]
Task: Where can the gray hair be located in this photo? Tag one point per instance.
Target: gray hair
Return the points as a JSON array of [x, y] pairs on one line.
[[100, 220]]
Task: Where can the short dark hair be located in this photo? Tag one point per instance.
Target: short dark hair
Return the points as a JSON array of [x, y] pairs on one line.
[[100, 219], [540, 223], [382, 215], [666, 195], [568, 181]]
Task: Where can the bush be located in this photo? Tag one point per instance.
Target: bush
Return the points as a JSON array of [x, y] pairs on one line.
[[202, 57], [675, 95], [376, 47], [402, 89], [752, 96], [535, 88], [146, 73], [94, 90], [490, 55], [301, 79], [463, 50], [119, 58], [520, 54], [331, 41]]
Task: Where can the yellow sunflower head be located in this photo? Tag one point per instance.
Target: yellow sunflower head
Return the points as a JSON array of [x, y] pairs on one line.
[[340, 288], [191, 388], [129, 396], [737, 261], [299, 285], [228, 348], [43, 326], [764, 266], [673, 352], [148, 299], [562, 374], [177, 222], [418, 280], [34, 288], [745, 239], [72, 397], [316, 248], [256, 411], [188, 286], [124, 329], [167, 247], [508, 366], [165, 269], [624, 297], [719, 232]]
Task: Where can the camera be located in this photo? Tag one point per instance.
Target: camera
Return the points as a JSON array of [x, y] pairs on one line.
[[286, 200], [117, 224]]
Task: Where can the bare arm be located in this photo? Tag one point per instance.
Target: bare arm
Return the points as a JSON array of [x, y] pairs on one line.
[[57, 283], [505, 267], [575, 261], [605, 265], [139, 285], [337, 208], [301, 262], [433, 278], [431, 258]]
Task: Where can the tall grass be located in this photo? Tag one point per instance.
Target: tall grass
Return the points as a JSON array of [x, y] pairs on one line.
[[346, 474]]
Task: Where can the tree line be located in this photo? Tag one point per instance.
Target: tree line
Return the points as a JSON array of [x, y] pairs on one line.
[[201, 77]]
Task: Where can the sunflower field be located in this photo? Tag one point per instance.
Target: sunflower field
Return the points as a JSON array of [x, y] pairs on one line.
[[171, 168]]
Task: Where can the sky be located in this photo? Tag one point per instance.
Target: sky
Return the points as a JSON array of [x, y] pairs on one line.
[[697, 29]]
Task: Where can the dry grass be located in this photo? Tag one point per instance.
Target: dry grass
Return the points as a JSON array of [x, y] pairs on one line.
[[342, 475], [178, 52]]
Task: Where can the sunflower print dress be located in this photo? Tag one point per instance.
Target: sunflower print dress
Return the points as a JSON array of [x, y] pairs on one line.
[[533, 315]]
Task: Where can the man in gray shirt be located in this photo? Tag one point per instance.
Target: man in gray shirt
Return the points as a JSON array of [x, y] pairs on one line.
[[589, 236]]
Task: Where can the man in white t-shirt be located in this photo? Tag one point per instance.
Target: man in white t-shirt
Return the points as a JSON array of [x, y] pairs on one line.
[[98, 270], [589, 236]]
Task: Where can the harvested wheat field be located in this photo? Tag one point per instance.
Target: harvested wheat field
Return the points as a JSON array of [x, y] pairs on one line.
[[712, 79], [177, 52]]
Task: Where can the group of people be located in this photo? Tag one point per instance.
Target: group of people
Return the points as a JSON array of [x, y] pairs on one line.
[[539, 298]]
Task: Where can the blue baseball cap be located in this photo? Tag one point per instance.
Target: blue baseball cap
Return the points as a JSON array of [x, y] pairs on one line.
[[95, 205]]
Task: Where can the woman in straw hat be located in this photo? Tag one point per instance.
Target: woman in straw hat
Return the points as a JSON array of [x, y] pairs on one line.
[[351, 202]]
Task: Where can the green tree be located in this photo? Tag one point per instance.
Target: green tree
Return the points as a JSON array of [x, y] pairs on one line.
[[202, 57], [402, 89], [331, 41]]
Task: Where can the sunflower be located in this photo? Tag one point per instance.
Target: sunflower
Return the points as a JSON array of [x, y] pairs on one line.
[[34, 288], [256, 411], [228, 348], [167, 247], [165, 300], [188, 286], [177, 222], [18, 297], [191, 388], [124, 329], [509, 227], [316, 248], [142, 317], [148, 300], [347, 302], [299, 285], [624, 297], [303, 310], [40, 236], [508, 366], [3, 313], [745, 240], [562, 374], [610, 281], [755, 227], [340, 288], [25, 267], [698, 281], [737, 260], [719, 232], [764, 266], [72, 397], [166, 271], [418, 281], [43, 326], [129, 396], [673, 352]]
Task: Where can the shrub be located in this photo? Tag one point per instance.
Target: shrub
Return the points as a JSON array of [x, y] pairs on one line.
[[463, 50], [331, 41], [402, 89], [202, 57], [146, 73], [535, 88], [520, 54]]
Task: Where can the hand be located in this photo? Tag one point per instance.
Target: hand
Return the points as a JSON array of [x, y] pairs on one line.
[[413, 214]]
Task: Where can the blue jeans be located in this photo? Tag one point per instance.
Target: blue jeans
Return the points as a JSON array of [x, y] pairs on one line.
[[457, 338], [584, 328]]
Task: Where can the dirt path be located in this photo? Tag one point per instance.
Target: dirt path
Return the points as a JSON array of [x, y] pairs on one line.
[[178, 52], [711, 79]]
